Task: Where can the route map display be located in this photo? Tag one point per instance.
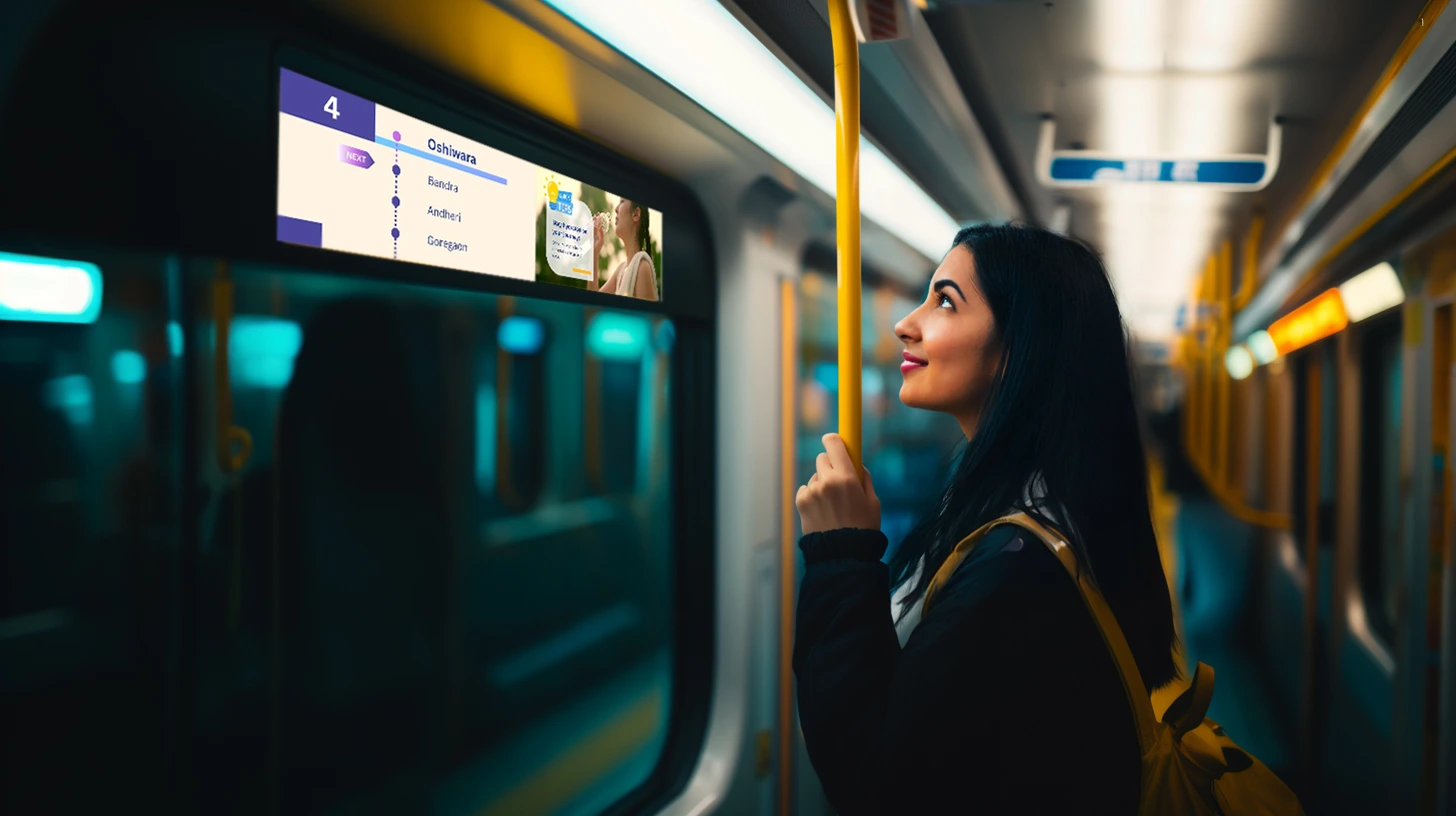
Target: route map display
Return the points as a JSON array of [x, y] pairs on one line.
[[354, 176]]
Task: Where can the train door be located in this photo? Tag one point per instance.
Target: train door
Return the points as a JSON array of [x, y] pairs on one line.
[[1437, 548], [1445, 766], [1355, 717], [1315, 493]]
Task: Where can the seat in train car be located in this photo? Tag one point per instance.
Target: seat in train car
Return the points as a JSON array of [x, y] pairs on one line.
[[354, 510]]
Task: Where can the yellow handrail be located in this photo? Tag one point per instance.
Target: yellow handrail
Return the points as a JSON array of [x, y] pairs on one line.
[[229, 460], [846, 222], [1249, 274], [1206, 422], [232, 445], [788, 573], [1223, 381]]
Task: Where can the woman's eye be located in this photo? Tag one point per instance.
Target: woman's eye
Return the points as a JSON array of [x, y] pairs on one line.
[[943, 301]]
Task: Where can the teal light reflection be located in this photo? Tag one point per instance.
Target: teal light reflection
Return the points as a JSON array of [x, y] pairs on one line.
[[521, 335], [128, 367], [613, 336], [261, 350], [71, 395], [49, 290]]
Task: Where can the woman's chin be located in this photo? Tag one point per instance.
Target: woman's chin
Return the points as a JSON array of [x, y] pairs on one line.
[[908, 397]]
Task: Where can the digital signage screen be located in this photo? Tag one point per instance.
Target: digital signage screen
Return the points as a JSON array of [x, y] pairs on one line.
[[356, 176]]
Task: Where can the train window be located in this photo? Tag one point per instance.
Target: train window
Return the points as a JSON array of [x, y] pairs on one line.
[[1315, 377], [1380, 409], [1300, 463], [410, 598], [88, 471], [615, 346], [521, 400]]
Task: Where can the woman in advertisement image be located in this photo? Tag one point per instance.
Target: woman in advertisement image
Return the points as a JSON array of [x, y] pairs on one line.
[[634, 277]]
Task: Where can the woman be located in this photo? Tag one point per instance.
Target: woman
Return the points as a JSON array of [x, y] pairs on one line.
[[635, 277], [1003, 699]]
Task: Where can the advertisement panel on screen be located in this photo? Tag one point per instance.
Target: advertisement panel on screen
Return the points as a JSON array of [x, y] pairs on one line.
[[355, 176]]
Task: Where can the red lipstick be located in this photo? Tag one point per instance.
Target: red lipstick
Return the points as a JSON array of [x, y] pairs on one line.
[[912, 362]]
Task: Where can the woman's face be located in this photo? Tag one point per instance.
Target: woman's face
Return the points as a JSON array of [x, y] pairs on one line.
[[626, 219], [952, 344]]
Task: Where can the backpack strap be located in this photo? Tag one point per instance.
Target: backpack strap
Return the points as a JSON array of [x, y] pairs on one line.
[[1132, 680], [1187, 712]]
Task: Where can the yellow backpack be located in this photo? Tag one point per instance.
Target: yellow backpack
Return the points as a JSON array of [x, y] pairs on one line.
[[1190, 766]]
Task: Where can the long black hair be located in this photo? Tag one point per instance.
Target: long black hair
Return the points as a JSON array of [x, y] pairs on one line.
[[1060, 413], [644, 227]]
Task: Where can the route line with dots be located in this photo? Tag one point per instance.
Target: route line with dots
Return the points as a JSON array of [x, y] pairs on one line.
[[394, 233]]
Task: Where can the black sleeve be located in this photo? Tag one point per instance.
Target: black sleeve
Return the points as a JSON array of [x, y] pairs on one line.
[[891, 730]]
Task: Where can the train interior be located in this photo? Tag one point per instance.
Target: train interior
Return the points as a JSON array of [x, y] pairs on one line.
[[307, 513]]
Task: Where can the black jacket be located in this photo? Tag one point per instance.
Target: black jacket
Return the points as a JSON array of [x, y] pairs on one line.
[[1003, 700]]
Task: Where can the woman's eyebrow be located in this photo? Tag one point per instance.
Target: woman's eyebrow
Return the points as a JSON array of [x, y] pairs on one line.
[[945, 283]]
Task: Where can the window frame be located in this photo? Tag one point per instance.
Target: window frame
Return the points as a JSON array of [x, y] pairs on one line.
[[1369, 560]]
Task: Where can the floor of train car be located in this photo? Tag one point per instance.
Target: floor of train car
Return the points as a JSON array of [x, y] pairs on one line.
[[576, 761], [1214, 569], [1224, 626]]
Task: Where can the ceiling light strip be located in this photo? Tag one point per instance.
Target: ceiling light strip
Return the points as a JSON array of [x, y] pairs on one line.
[[701, 49]]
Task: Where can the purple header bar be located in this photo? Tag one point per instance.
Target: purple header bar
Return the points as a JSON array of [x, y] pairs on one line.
[[325, 105], [300, 231]]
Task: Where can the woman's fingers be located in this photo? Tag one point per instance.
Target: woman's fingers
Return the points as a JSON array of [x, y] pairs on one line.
[[833, 497], [808, 517], [838, 453], [822, 465]]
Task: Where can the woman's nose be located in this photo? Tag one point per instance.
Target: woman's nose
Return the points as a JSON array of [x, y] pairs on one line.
[[906, 330]]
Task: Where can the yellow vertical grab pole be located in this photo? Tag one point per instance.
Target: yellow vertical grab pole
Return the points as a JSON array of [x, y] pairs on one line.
[[1225, 383], [788, 562], [846, 223], [1205, 387], [1249, 269]]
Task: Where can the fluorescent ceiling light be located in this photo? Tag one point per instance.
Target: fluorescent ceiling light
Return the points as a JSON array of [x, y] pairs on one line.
[[1312, 322], [701, 49], [1130, 114], [1261, 345], [1130, 34], [1239, 362], [1221, 35], [1371, 292]]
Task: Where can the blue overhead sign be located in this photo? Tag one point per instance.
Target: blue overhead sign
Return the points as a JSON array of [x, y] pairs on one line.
[[1233, 172], [1218, 171]]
